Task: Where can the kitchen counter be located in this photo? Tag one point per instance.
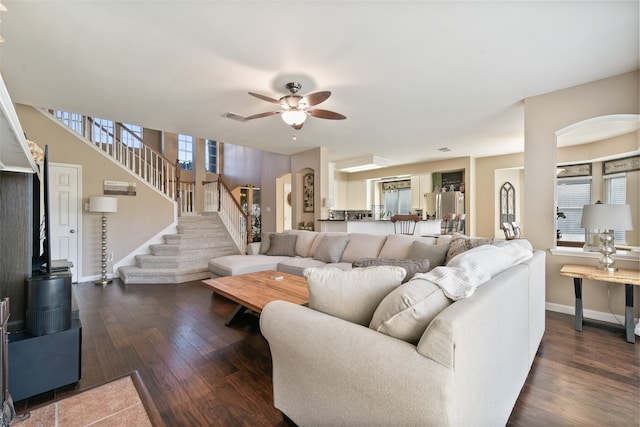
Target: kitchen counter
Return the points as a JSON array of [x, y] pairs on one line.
[[423, 228]]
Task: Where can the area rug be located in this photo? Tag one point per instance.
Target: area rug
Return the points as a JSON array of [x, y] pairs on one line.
[[121, 402]]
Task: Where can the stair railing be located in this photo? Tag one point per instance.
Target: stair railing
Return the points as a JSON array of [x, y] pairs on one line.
[[187, 192], [218, 198], [143, 161]]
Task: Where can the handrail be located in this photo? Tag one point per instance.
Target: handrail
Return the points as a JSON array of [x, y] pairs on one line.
[[115, 138], [229, 210], [145, 162]]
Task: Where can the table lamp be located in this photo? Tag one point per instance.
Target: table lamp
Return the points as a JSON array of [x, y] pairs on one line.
[[103, 205], [606, 218]]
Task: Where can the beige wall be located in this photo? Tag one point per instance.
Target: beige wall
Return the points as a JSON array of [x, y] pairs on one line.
[[544, 116], [139, 217], [316, 162]]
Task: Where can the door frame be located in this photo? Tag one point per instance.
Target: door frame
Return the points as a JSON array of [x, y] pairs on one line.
[[80, 205]]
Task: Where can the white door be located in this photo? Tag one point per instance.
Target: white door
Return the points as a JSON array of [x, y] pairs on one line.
[[65, 205]]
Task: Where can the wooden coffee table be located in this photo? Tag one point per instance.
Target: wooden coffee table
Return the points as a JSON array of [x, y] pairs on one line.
[[253, 291]]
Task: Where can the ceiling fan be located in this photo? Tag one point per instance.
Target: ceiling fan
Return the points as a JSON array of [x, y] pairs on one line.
[[296, 107]]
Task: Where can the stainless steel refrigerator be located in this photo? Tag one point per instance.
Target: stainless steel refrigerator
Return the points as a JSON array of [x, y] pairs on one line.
[[438, 205]]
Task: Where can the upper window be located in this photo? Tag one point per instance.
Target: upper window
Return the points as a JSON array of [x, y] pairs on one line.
[[615, 193], [102, 130], [211, 156], [573, 194], [72, 120], [131, 135], [185, 152]]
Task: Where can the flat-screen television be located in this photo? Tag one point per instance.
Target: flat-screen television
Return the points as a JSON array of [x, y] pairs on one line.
[[41, 257]]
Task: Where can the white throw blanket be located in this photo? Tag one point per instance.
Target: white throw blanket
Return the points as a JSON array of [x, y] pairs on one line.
[[465, 272]]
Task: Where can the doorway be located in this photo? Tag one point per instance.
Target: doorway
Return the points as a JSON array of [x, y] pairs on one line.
[[65, 212]]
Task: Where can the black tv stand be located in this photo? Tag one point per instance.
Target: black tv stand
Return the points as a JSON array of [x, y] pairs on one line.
[[49, 359]]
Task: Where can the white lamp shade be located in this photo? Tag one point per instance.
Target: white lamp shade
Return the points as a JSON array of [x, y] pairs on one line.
[[606, 217], [294, 116], [103, 204]]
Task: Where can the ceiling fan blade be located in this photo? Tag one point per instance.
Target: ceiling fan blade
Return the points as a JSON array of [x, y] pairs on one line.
[[261, 115], [265, 98], [326, 114], [317, 97]]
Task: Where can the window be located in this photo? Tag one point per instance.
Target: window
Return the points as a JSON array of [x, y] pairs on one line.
[[185, 152], [72, 120], [573, 194], [127, 132], [211, 156], [102, 131], [615, 193]]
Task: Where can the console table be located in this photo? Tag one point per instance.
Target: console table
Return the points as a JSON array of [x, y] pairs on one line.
[[629, 278]]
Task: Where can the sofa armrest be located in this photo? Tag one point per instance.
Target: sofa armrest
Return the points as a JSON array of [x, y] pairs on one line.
[[327, 371]]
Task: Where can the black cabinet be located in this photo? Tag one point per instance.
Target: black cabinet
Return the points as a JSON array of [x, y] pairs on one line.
[[44, 363]]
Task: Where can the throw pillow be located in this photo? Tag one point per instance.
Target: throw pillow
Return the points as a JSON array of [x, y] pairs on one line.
[[265, 242], [407, 311], [283, 245], [351, 295], [488, 260], [434, 253], [412, 266], [331, 248], [460, 243]]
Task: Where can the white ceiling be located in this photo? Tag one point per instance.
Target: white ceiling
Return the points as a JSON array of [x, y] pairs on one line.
[[411, 76]]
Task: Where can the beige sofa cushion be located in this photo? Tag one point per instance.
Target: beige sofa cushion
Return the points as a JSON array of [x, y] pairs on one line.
[[397, 246], [407, 311], [363, 245], [232, 265], [304, 242], [351, 295]]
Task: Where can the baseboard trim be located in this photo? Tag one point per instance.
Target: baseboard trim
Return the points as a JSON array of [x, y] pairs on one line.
[[591, 314]]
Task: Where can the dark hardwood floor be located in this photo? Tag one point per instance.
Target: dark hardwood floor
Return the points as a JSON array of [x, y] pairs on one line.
[[201, 373]]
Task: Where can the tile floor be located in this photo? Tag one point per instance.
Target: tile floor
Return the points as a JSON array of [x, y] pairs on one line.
[[116, 403]]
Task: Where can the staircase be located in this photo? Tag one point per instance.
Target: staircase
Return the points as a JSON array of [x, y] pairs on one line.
[[183, 257]]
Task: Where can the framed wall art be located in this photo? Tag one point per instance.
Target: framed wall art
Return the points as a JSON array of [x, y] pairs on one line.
[[307, 193]]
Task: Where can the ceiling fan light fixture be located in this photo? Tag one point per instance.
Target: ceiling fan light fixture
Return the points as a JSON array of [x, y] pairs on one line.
[[293, 117]]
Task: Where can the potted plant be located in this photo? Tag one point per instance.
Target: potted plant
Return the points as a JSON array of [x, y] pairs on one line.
[[559, 214]]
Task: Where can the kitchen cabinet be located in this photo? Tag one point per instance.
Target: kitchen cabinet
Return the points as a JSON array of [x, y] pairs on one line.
[[340, 195], [420, 184], [351, 195], [358, 195]]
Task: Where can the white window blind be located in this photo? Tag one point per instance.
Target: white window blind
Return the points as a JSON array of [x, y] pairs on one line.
[[615, 191], [573, 194]]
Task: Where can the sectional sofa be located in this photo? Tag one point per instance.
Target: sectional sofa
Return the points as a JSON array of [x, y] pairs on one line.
[[293, 251], [452, 346], [421, 360]]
